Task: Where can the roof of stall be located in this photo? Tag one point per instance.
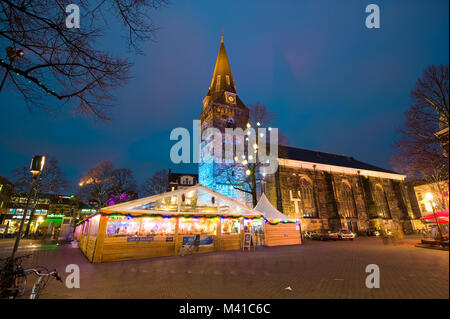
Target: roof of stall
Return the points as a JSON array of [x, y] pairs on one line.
[[141, 206], [270, 212]]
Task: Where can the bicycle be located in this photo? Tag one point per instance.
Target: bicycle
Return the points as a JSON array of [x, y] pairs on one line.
[[14, 278], [42, 281], [12, 281]]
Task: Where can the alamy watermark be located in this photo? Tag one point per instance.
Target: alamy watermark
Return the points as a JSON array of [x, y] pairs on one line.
[[73, 19], [73, 279], [373, 19], [373, 279]]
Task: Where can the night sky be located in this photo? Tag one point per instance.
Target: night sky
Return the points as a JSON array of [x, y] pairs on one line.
[[336, 86]]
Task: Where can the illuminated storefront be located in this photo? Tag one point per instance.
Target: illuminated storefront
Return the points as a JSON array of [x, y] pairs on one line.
[[160, 225]]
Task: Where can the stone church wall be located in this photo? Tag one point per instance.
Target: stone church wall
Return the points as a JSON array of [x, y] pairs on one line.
[[283, 188]]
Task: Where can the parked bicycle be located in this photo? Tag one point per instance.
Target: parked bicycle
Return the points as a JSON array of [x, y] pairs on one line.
[[13, 278]]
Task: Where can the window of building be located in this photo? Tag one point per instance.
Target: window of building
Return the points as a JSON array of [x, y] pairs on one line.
[[119, 228], [95, 221], [158, 226], [230, 226], [194, 226], [218, 84], [381, 202], [306, 193], [228, 80], [347, 202]]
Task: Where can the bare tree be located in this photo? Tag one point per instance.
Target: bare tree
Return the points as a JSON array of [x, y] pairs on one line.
[[259, 113], [244, 174], [97, 183], [156, 184], [107, 185], [124, 181], [47, 59], [419, 151], [51, 180]]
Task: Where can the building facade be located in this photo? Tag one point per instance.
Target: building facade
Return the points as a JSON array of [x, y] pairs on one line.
[[180, 180], [222, 108], [6, 190], [439, 190], [325, 191], [48, 208], [330, 191]]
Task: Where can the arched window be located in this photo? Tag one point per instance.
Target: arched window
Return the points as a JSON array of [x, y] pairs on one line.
[[347, 202], [381, 202], [306, 194]]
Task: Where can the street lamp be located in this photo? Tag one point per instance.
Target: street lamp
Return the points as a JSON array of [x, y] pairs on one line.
[[36, 166], [429, 197]]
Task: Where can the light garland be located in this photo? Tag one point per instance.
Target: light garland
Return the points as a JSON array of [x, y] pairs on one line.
[[161, 216], [277, 221]]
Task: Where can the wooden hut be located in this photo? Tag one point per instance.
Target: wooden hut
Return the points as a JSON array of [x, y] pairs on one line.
[[279, 229], [160, 225]]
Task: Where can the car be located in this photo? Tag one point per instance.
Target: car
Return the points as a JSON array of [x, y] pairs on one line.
[[323, 234], [346, 234]]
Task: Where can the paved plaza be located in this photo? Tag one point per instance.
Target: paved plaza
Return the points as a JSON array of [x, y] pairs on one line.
[[313, 270]]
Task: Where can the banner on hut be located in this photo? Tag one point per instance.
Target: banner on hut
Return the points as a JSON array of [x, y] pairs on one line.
[[204, 240], [148, 238]]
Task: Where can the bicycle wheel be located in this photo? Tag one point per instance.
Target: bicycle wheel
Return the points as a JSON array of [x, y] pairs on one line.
[[20, 283]]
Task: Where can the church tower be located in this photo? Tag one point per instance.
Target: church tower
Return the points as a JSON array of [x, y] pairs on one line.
[[222, 108]]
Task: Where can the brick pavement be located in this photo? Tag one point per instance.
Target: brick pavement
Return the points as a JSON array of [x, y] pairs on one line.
[[312, 270]]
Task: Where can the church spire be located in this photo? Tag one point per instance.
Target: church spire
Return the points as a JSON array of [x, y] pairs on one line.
[[222, 79]]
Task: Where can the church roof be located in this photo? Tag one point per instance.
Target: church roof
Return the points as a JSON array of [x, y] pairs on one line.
[[305, 155], [222, 79]]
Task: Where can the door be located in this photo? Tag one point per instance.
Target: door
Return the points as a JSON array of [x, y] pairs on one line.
[[349, 225]]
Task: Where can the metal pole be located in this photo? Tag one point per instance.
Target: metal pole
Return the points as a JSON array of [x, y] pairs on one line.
[[22, 223], [435, 218], [27, 230]]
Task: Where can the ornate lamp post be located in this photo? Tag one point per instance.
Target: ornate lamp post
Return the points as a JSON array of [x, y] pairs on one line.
[[429, 197], [36, 166]]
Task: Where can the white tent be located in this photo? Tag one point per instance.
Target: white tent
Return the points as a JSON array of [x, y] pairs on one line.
[[270, 212], [279, 229]]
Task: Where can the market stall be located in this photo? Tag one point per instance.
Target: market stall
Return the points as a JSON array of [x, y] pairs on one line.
[[161, 225], [279, 229]]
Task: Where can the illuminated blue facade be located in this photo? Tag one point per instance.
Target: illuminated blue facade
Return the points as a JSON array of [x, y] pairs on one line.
[[222, 108]]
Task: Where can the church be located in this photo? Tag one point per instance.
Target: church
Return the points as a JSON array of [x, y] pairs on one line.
[[323, 190]]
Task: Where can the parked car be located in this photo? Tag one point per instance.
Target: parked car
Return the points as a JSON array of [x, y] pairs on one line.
[[323, 234], [346, 234]]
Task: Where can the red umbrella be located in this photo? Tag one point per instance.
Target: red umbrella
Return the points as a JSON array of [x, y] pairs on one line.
[[443, 214], [442, 217]]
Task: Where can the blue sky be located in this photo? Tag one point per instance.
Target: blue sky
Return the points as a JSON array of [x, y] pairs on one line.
[[336, 86]]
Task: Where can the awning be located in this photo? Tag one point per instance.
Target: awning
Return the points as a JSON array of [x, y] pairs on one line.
[[270, 212], [442, 217]]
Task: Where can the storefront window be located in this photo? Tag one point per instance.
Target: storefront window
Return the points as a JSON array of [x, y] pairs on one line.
[[118, 228], [231, 226], [254, 226], [158, 226], [193, 226], [94, 225], [86, 228]]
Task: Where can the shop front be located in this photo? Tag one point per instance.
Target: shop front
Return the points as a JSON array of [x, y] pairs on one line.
[[161, 225]]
